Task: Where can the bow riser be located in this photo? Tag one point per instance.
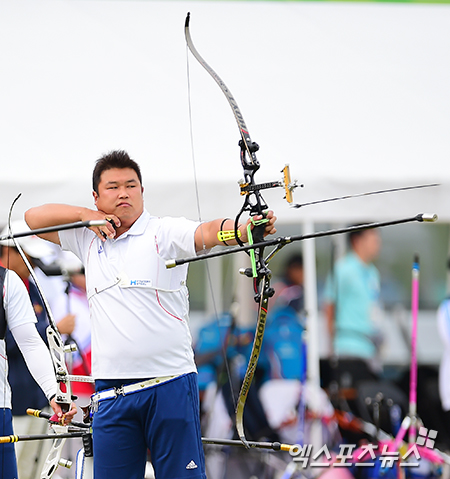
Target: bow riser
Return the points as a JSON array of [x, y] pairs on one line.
[[54, 457], [64, 393]]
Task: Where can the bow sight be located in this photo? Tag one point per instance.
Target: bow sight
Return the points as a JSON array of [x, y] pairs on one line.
[[286, 183]]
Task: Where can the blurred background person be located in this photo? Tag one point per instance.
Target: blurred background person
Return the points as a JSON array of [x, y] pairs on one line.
[[283, 354], [443, 323], [352, 309], [72, 309], [71, 312], [289, 291]]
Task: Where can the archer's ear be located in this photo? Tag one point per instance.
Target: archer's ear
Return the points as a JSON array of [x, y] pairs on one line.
[[95, 195]]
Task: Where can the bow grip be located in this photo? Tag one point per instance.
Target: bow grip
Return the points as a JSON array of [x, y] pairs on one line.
[[259, 228]]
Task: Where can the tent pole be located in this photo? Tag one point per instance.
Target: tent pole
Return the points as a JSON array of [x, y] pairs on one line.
[[312, 326]]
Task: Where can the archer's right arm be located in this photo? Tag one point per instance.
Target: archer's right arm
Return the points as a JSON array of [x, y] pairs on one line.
[[58, 214]]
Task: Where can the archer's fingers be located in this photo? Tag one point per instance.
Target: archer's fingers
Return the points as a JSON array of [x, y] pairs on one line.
[[270, 228], [108, 230], [68, 416], [270, 215], [64, 418], [113, 221]]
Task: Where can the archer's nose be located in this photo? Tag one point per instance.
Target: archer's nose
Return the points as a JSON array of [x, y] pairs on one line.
[[123, 193]]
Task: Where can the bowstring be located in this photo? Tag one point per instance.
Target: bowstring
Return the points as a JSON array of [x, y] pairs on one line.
[[224, 339], [51, 322], [5, 358], [6, 289]]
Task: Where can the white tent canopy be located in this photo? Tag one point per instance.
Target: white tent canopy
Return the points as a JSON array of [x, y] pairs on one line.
[[353, 96]]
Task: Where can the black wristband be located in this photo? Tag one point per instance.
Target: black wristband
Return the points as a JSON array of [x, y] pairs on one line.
[[221, 229]]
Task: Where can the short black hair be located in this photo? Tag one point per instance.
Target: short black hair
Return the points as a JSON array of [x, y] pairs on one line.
[[295, 260], [352, 235], [114, 159]]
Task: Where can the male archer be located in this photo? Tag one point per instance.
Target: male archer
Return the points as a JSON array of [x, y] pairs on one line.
[[142, 359]]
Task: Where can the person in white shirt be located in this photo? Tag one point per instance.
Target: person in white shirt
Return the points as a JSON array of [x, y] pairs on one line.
[[17, 314], [142, 359]]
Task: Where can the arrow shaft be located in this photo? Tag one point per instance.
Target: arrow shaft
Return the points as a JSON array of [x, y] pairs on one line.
[[274, 446], [284, 240], [346, 197], [52, 229], [46, 415], [39, 437]]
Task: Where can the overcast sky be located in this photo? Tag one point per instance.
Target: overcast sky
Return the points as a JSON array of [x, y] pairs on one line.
[[352, 95]]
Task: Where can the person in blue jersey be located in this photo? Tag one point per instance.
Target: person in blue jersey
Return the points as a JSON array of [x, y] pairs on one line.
[[351, 299], [283, 354], [142, 358], [289, 291]]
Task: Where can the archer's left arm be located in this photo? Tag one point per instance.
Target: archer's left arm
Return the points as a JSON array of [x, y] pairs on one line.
[[206, 234], [39, 363]]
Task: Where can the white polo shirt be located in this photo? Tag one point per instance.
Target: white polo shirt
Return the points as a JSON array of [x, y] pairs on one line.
[[19, 312], [139, 309]]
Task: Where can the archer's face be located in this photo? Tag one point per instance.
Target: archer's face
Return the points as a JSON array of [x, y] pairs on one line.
[[120, 193]]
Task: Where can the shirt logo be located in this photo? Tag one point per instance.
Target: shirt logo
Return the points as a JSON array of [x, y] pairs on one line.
[[100, 249], [140, 282]]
